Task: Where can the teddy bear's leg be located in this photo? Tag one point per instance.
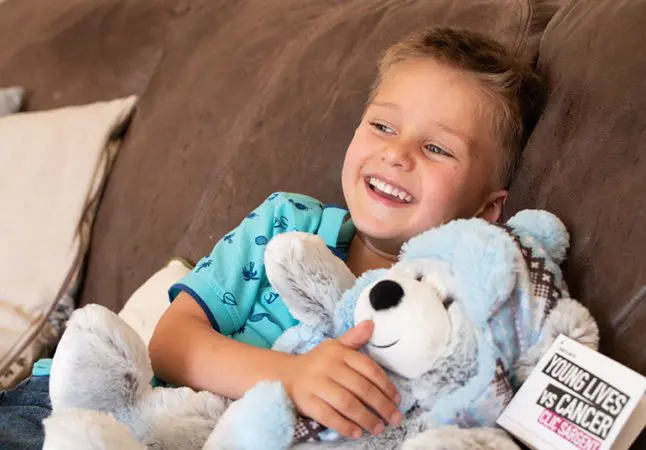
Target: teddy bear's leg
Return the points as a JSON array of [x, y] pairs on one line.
[[568, 317], [263, 419], [82, 429], [454, 438], [100, 363]]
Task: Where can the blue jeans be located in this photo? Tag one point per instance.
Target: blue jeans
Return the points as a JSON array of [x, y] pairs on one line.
[[21, 414]]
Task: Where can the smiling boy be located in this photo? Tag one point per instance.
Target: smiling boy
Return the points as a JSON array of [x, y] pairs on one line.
[[440, 137], [439, 140]]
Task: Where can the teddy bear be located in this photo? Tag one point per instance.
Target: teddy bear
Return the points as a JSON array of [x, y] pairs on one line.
[[460, 321]]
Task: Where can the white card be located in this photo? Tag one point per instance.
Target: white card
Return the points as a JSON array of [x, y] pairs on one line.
[[577, 398]]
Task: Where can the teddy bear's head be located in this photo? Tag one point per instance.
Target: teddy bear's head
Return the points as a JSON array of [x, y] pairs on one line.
[[444, 314], [415, 315], [446, 280]]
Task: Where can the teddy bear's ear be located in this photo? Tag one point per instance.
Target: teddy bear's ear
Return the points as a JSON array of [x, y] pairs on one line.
[[544, 228], [483, 258]]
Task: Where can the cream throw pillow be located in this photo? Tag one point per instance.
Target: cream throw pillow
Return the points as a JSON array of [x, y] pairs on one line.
[[56, 163], [146, 305]]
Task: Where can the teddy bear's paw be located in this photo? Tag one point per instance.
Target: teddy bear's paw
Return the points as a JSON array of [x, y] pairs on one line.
[[454, 438], [568, 317], [308, 276], [83, 429], [100, 363], [292, 247], [263, 418]]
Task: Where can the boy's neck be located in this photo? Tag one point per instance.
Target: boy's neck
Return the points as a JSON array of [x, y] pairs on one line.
[[363, 255]]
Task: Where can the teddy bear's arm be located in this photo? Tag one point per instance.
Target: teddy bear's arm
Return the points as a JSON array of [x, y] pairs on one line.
[[308, 276]]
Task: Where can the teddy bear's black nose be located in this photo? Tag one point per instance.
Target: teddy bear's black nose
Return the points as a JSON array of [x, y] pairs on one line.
[[385, 294]]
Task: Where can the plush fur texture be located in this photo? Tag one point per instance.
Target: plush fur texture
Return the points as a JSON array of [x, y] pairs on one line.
[[448, 438], [569, 318], [86, 429], [295, 270], [442, 340], [101, 364], [466, 272], [272, 418]]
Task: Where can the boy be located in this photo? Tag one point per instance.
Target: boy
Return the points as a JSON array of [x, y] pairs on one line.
[[439, 139]]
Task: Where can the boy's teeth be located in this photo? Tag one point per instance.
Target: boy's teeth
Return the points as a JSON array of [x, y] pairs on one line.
[[388, 189]]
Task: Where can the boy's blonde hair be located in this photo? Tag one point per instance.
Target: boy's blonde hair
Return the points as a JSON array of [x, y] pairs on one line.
[[516, 91]]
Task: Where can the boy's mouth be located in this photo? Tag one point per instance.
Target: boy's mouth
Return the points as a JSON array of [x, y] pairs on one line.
[[388, 191]]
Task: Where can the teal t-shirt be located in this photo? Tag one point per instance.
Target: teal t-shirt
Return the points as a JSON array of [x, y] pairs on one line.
[[231, 285]]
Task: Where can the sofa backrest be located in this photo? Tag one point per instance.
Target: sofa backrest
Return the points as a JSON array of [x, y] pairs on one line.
[[586, 161], [69, 52], [237, 110]]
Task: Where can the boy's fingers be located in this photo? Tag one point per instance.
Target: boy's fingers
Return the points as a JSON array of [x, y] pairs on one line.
[[368, 393], [373, 372], [357, 337], [323, 413], [346, 404]]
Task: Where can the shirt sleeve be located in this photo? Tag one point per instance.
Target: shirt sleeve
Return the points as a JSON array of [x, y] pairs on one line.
[[227, 283]]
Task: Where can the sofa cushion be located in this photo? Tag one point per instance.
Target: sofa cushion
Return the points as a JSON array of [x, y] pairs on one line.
[[148, 303], [585, 162], [59, 161], [67, 52], [253, 97]]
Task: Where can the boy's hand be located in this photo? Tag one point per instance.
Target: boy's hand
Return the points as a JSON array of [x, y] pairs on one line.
[[337, 386]]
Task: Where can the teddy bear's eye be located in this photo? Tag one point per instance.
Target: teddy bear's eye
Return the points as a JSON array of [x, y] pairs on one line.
[[448, 301], [419, 278]]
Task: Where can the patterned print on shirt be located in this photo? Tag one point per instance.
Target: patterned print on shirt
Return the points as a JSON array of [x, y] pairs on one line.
[[261, 240], [252, 215], [229, 299], [298, 205], [228, 238], [281, 222], [271, 297], [260, 316], [241, 330], [206, 264], [249, 273]]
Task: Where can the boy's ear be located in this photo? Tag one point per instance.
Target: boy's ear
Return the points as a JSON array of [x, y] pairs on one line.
[[491, 210]]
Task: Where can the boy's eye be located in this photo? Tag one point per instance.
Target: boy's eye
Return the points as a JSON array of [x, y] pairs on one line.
[[381, 128], [432, 148]]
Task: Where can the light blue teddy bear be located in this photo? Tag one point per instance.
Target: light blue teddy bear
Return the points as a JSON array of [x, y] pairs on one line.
[[460, 321]]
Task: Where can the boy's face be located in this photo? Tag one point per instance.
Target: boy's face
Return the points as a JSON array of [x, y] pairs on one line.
[[425, 138]]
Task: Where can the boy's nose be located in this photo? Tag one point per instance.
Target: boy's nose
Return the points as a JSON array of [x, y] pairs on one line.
[[386, 294], [399, 155]]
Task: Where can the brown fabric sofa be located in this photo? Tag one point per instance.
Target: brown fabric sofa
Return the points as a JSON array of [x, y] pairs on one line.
[[241, 98]]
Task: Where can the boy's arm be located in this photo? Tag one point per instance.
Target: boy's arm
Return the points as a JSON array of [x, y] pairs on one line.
[[331, 384], [186, 351]]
